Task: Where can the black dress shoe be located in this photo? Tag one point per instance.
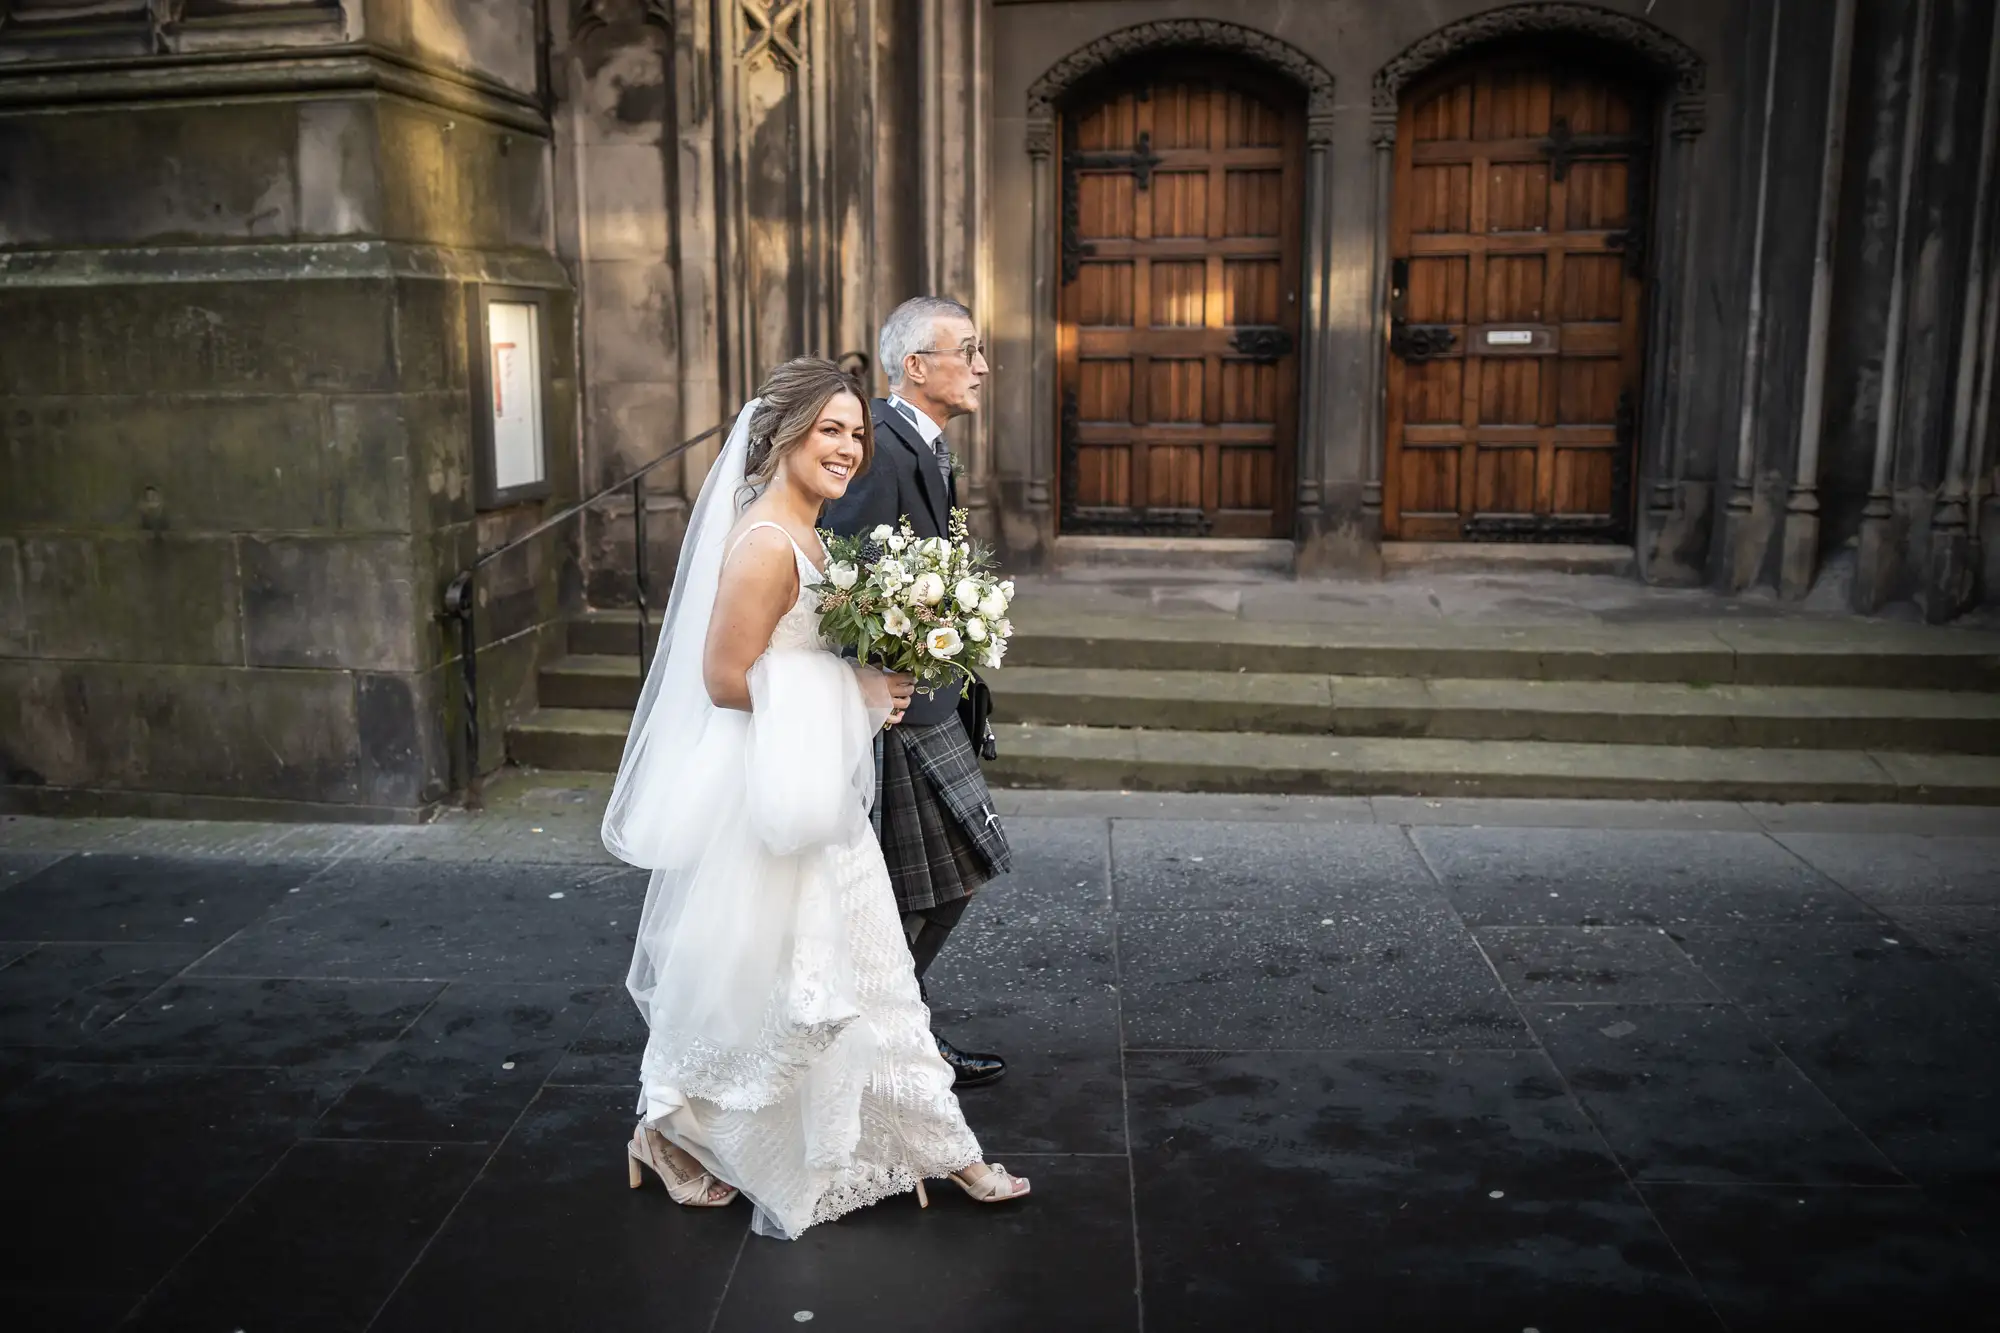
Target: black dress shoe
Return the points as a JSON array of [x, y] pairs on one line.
[[968, 1068]]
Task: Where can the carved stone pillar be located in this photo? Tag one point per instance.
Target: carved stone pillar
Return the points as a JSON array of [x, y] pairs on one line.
[[1042, 358], [1382, 135], [1801, 554]]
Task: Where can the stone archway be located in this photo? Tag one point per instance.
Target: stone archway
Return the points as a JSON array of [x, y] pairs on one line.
[[1044, 101], [1683, 75]]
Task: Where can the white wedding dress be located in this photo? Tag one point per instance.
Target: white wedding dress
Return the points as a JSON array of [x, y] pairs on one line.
[[789, 1049]]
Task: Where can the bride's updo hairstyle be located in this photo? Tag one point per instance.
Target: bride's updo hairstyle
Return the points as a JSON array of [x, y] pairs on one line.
[[792, 400]]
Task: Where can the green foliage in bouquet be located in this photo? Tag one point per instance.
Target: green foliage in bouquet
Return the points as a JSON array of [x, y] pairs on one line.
[[932, 606]]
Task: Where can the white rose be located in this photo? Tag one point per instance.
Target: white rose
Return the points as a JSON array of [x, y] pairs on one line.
[[928, 589], [1007, 589], [881, 534], [897, 541], [938, 548], [975, 630], [893, 575], [967, 593], [993, 605], [1005, 629], [994, 652], [842, 575], [896, 621], [943, 642]]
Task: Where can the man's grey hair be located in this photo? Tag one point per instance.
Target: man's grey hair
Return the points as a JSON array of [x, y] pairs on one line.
[[910, 327]]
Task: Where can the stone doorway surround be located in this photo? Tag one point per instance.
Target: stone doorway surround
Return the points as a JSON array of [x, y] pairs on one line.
[[1330, 535]]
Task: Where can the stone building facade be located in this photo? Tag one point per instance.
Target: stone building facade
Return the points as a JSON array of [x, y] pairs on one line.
[[1711, 280]]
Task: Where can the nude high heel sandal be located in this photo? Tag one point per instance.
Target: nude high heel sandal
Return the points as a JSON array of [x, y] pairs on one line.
[[694, 1192], [996, 1186]]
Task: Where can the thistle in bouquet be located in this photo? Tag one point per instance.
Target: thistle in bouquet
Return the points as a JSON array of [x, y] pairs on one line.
[[932, 606]]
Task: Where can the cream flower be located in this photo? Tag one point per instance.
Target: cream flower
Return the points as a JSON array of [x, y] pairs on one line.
[[996, 649], [842, 575], [1007, 589], [896, 621], [943, 642], [1004, 628], [975, 630], [897, 541], [967, 593], [992, 605], [881, 534], [928, 589]]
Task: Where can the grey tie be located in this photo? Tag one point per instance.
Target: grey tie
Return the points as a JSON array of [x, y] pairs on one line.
[[939, 448]]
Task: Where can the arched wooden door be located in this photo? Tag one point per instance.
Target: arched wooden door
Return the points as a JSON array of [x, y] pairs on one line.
[[1178, 322], [1516, 292]]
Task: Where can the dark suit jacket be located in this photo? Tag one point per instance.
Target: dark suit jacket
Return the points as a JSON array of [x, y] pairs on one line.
[[903, 480]]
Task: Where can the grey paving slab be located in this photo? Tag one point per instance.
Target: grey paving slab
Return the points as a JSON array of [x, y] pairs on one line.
[[1391, 975], [1968, 935], [1896, 868], [1593, 964], [549, 1237], [1013, 982], [1921, 820], [1411, 1190], [1897, 1036], [1048, 1102], [168, 899], [17, 866], [275, 1262], [324, 1025], [1012, 801], [1775, 1258], [1062, 1258], [447, 921], [208, 1136], [1059, 864], [469, 1066], [608, 1050], [1256, 867], [1699, 1093], [61, 995], [1599, 877]]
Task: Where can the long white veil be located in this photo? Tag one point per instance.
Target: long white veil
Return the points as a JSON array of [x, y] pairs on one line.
[[741, 962]]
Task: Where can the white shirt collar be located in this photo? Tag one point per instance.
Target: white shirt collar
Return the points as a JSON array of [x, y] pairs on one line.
[[927, 428]]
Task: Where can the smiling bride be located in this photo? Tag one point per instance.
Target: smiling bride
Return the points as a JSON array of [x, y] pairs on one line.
[[789, 1054]]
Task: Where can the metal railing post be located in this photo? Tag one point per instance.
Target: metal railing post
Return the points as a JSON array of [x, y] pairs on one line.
[[639, 565], [459, 600]]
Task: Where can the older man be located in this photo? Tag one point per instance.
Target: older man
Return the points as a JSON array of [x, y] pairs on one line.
[[940, 833]]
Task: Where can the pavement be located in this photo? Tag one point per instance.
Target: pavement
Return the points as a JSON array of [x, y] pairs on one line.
[[1285, 1063]]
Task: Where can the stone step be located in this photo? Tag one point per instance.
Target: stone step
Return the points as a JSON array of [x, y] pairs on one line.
[[1107, 758], [1132, 759], [1830, 654], [586, 740], [1589, 712]]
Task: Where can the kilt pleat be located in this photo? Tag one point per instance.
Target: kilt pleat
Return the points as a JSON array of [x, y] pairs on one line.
[[940, 835]]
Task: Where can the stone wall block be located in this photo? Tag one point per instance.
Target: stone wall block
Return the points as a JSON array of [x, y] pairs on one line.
[[494, 39], [138, 598], [631, 423], [400, 732], [433, 337], [340, 185], [184, 463], [438, 428], [634, 321], [455, 181], [331, 602], [625, 201], [293, 336], [622, 96], [174, 173], [366, 465], [204, 730]]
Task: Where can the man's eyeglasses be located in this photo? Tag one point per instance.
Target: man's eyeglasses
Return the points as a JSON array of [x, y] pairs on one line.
[[968, 350]]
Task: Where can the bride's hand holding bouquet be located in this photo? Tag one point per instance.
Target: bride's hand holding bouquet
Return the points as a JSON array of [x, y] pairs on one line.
[[930, 607]]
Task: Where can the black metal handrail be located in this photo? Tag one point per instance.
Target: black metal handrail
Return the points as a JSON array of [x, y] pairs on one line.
[[461, 594]]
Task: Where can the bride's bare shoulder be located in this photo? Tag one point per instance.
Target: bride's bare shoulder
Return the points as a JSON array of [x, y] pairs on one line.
[[758, 553]]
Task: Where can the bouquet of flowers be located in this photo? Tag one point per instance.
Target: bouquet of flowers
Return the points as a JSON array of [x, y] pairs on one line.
[[930, 606]]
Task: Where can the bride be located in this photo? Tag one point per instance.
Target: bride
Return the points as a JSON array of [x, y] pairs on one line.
[[790, 1055]]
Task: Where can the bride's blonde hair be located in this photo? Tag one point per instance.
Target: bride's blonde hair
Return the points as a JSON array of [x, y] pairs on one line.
[[792, 399]]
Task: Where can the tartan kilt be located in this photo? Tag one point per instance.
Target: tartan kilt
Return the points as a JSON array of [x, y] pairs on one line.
[[940, 835]]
